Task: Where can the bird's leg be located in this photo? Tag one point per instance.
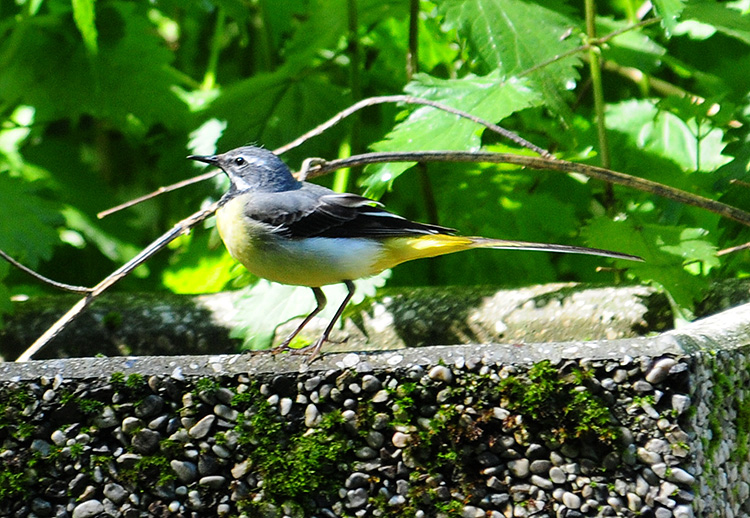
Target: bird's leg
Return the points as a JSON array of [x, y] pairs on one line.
[[315, 348], [320, 298]]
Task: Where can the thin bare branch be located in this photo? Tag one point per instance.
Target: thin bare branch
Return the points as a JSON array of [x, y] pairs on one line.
[[157, 192], [597, 42], [733, 249], [407, 99], [562, 166], [372, 101], [180, 228], [42, 278]]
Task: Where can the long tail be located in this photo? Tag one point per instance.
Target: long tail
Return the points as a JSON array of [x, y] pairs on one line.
[[402, 249], [483, 242]]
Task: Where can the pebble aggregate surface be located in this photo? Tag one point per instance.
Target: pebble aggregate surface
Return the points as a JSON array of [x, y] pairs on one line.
[[417, 440]]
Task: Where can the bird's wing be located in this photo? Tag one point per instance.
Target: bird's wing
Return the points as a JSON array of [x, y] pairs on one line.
[[314, 211]]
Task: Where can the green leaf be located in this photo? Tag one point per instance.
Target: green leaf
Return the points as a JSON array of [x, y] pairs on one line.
[[27, 221], [491, 97], [327, 25], [514, 36], [670, 11], [266, 305], [725, 18], [128, 82], [194, 270], [632, 48], [676, 258], [273, 109], [666, 135], [85, 16], [111, 247]]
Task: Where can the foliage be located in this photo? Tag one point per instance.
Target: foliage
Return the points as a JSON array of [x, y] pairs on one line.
[[101, 101], [546, 399], [295, 465]]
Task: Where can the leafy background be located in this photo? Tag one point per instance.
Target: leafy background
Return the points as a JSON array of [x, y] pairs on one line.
[[101, 101]]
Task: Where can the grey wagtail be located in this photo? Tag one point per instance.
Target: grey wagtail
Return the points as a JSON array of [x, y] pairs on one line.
[[303, 234]]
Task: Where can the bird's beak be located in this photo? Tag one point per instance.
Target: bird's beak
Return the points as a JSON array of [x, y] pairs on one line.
[[207, 159]]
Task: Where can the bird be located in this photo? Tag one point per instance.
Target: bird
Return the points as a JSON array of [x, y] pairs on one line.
[[300, 233]]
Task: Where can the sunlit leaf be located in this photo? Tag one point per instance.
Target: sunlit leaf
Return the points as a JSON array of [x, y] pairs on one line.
[[670, 255], [515, 36], [670, 11], [266, 305], [723, 17], [208, 274], [666, 135], [85, 16], [491, 97]]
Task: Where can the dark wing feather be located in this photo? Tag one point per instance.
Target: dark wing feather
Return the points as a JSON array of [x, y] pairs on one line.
[[314, 211]]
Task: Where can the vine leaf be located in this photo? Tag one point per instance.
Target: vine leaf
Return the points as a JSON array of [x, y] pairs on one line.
[[676, 258], [514, 36], [491, 96], [85, 16], [670, 11]]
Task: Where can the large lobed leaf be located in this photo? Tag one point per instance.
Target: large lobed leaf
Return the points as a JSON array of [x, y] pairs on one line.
[[27, 221], [128, 77], [491, 97], [514, 36], [676, 258], [666, 135]]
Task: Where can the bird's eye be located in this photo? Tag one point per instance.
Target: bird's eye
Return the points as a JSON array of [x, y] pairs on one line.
[[239, 160]]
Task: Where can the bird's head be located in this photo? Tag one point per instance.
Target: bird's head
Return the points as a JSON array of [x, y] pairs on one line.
[[252, 168]]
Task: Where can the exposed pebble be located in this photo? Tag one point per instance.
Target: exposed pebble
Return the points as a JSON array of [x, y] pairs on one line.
[[441, 373], [88, 509], [185, 471], [519, 468], [201, 429], [660, 370], [571, 500]]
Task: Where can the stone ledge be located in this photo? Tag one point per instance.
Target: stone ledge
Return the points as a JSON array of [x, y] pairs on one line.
[[678, 402]]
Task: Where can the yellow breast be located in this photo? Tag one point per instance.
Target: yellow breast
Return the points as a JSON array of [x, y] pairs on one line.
[[310, 262]]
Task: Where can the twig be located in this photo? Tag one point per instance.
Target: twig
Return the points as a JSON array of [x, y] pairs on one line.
[[592, 43], [39, 277], [595, 68], [365, 103], [733, 249], [182, 227], [562, 166], [157, 192], [407, 99]]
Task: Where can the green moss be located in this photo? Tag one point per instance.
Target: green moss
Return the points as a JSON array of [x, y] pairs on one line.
[[548, 401], [90, 406], [450, 509], [207, 386], [295, 464], [740, 452], [135, 382], [13, 484], [149, 467]]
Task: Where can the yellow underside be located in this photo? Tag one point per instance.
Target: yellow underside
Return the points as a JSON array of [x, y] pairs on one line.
[[321, 261], [398, 250]]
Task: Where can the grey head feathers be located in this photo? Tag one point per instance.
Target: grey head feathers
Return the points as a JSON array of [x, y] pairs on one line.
[[251, 168]]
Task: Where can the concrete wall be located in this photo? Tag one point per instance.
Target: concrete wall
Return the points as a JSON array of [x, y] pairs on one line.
[[637, 427]]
